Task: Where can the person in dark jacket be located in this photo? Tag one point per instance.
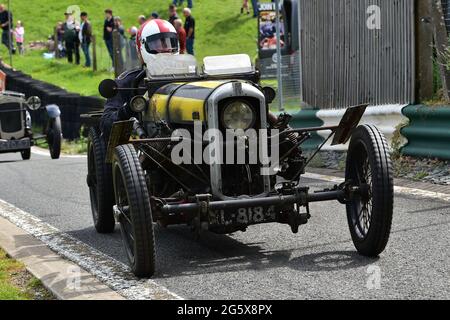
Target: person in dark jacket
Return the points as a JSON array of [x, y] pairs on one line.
[[86, 37], [189, 26], [108, 28], [173, 13], [71, 39], [6, 20], [117, 108]]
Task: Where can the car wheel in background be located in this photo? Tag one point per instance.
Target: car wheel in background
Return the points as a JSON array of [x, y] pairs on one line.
[[26, 154], [54, 137]]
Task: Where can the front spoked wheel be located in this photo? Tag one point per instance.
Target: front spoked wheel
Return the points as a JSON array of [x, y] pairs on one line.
[[369, 170], [133, 211]]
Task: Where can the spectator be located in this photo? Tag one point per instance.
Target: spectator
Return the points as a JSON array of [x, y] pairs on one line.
[[173, 13], [180, 2], [60, 40], [6, 20], [178, 24], [51, 44], [189, 26], [19, 34], [123, 41], [85, 37], [255, 8], [154, 15], [108, 28], [132, 56], [71, 40], [245, 7], [142, 20], [119, 26]]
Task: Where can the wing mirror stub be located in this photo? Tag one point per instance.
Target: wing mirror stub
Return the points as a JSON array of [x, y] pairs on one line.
[[270, 94], [108, 88]]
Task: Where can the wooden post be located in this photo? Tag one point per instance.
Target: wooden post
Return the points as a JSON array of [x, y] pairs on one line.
[[441, 43], [424, 51], [117, 51], [94, 52]]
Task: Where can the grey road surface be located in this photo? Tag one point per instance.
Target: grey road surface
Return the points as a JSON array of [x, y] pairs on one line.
[[266, 262]]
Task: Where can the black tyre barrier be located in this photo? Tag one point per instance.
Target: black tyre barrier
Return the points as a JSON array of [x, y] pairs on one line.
[[70, 115], [72, 105]]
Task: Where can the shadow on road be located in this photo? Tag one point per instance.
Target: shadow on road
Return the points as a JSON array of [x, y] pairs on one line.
[[9, 161], [179, 254]]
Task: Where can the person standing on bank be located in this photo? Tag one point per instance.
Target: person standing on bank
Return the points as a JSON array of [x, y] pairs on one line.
[[189, 26], [108, 28], [6, 20], [178, 24], [19, 34], [71, 38], [85, 36]]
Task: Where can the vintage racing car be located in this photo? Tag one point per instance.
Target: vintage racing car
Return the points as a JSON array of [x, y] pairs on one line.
[[136, 179], [16, 133]]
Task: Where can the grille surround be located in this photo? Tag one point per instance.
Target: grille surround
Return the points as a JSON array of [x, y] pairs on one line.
[[11, 118]]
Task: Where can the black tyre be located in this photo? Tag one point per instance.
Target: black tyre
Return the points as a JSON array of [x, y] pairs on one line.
[[99, 180], [26, 154], [134, 211], [370, 212], [54, 137]]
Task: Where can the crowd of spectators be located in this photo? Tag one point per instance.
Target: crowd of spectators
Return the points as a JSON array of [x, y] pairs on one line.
[[75, 34], [11, 33]]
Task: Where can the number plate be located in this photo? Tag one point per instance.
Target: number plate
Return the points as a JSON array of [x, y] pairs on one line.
[[12, 145], [247, 216]]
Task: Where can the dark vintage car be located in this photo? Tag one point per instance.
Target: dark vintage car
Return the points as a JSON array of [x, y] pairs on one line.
[[16, 134], [136, 179]]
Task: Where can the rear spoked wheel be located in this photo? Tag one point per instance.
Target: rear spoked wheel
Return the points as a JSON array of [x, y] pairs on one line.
[[133, 211], [369, 170]]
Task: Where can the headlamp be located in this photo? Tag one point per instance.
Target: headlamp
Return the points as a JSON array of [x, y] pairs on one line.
[[238, 115], [138, 104]]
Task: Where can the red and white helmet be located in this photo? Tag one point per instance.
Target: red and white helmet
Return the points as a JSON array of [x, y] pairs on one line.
[[154, 37]]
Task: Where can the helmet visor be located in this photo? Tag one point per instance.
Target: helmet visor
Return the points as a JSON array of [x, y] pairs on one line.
[[166, 42]]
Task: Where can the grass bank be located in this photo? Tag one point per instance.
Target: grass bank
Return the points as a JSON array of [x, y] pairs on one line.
[[17, 284], [221, 29]]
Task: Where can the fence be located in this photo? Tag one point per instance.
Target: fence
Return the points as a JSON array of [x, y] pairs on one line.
[[125, 53], [446, 11], [344, 62], [290, 80]]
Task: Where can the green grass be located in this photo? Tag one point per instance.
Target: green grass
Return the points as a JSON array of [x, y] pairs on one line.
[[8, 291], [221, 29], [16, 283], [70, 77]]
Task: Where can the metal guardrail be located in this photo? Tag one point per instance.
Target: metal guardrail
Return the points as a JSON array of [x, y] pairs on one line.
[[428, 132], [308, 118]]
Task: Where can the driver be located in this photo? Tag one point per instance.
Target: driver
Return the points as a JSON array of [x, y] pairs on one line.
[[154, 37]]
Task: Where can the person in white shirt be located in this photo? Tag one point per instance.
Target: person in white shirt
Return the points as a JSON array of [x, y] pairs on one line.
[[19, 34]]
